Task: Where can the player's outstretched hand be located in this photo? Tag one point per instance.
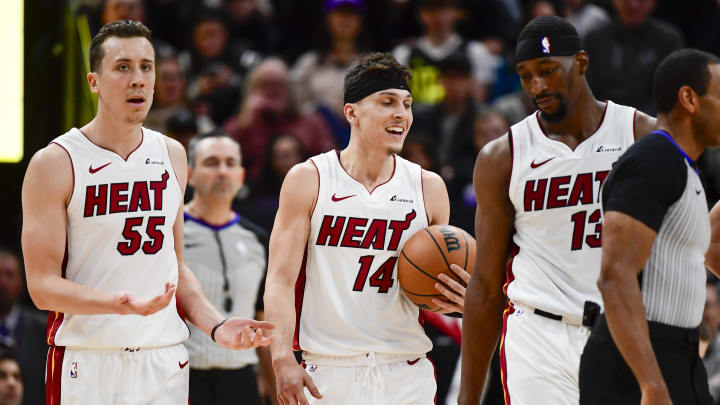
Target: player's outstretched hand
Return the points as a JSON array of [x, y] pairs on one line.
[[127, 304], [456, 294], [241, 333], [291, 379]]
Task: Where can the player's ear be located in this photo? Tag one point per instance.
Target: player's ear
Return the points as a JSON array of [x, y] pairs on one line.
[[688, 99], [582, 60], [350, 111], [92, 79]]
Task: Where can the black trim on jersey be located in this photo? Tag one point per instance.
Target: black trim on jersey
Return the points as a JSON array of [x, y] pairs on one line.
[[649, 178]]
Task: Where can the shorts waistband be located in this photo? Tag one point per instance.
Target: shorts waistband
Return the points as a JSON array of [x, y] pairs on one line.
[[662, 331], [567, 319], [361, 359]]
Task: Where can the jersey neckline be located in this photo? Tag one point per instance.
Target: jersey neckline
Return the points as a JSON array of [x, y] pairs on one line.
[[545, 138], [369, 192], [113, 153]]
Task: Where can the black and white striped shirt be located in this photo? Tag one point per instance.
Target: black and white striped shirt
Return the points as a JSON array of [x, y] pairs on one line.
[[655, 183]]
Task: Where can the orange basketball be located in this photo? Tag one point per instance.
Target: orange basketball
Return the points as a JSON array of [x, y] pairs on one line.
[[428, 253]]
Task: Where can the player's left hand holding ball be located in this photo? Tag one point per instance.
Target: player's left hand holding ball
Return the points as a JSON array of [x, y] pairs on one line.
[[455, 297], [242, 334]]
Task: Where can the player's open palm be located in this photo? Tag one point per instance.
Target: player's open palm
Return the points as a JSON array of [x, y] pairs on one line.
[[242, 334], [129, 304], [291, 379]]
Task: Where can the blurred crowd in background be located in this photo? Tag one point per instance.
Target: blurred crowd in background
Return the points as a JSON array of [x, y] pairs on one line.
[[270, 74]]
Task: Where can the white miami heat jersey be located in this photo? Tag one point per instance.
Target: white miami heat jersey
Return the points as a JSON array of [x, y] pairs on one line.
[[348, 297], [558, 219], [119, 237]]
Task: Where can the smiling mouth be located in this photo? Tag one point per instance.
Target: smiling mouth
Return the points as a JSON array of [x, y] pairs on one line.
[[395, 130]]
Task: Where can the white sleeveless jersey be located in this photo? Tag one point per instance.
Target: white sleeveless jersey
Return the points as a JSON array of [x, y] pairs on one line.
[[558, 220], [348, 298], [120, 237]]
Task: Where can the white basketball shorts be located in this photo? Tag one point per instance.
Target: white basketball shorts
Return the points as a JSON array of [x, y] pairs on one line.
[[129, 376], [372, 379], [540, 358]]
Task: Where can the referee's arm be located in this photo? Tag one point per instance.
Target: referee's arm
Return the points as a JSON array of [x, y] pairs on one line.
[[627, 243], [712, 257]]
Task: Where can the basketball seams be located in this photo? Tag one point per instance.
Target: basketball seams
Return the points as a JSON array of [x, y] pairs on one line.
[[457, 277], [421, 270]]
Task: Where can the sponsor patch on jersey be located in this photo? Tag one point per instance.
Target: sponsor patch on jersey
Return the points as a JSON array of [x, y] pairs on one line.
[[608, 148], [73, 370], [396, 198], [153, 162]]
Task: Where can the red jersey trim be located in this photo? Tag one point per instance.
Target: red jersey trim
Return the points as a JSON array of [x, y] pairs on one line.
[[299, 296], [142, 139], [53, 374], [337, 154]]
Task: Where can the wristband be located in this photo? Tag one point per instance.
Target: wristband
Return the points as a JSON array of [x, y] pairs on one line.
[[214, 329]]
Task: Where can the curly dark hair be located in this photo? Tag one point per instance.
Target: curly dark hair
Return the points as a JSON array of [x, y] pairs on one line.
[[121, 29], [380, 64]]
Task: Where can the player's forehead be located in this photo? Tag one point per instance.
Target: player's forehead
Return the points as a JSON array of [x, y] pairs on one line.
[[539, 63], [134, 49], [9, 366], [394, 93]]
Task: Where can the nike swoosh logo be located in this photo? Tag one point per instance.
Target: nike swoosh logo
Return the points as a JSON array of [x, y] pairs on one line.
[[411, 362], [182, 365], [98, 168], [336, 199], [697, 192], [534, 165]]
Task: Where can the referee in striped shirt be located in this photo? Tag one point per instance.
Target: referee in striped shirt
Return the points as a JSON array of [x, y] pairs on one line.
[[644, 349]]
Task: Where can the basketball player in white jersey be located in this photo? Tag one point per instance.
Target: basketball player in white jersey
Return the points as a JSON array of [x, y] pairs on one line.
[[538, 196], [102, 239], [343, 218]]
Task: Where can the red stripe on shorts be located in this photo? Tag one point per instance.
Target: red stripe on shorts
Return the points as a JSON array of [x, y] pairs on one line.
[[53, 374], [503, 362]]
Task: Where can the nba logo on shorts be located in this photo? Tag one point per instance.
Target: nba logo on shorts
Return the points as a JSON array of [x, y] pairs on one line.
[[546, 45], [73, 369]]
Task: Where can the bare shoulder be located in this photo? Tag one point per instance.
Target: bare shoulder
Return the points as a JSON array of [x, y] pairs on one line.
[[494, 161], [644, 124], [50, 173], [300, 187], [437, 201]]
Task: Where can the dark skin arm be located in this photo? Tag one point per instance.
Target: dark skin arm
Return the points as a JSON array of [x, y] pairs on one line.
[[627, 243], [712, 257], [484, 299], [644, 124]]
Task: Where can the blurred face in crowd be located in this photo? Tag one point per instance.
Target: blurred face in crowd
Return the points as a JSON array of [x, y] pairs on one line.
[[11, 282], [285, 154], [458, 86], [125, 82], [488, 127], [269, 88], [123, 10], [384, 118], [633, 12], [542, 8], [438, 20], [344, 23], [217, 172], [550, 82], [11, 386], [240, 10], [711, 314], [170, 86], [210, 38]]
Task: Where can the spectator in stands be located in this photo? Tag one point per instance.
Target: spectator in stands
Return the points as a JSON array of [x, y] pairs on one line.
[[585, 16], [11, 383], [318, 75], [625, 52], [268, 108], [282, 153], [247, 24], [183, 126], [710, 325], [170, 92], [22, 329], [113, 10], [440, 41], [449, 124], [228, 254], [216, 66]]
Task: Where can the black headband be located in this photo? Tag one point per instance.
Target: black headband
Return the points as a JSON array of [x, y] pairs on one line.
[[540, 47], [371, 84]]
